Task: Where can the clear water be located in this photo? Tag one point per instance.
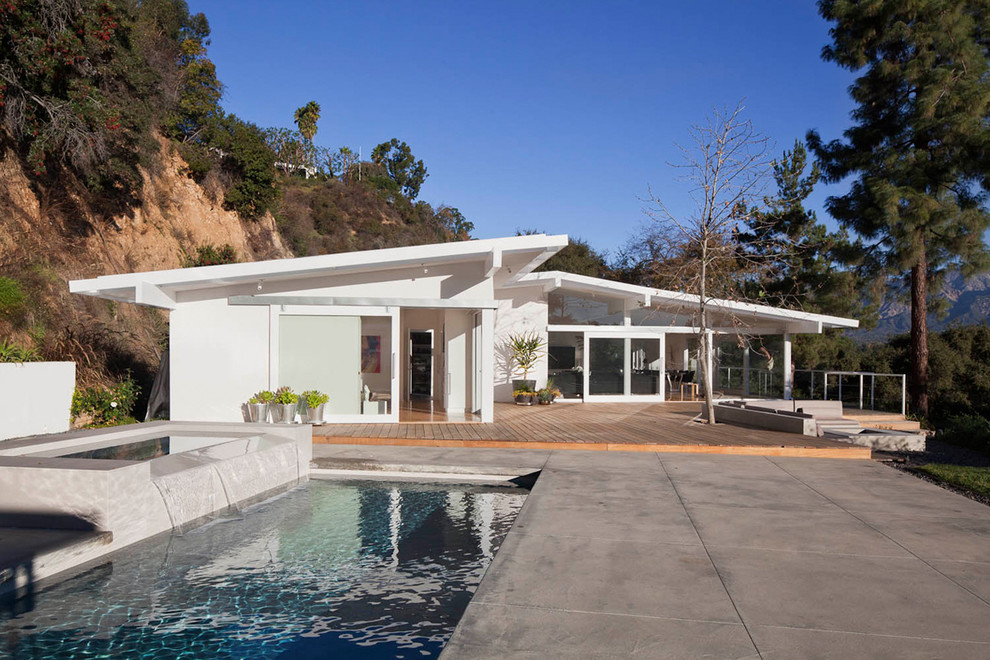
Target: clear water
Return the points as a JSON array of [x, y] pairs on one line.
[[143, 450], [328, 570]]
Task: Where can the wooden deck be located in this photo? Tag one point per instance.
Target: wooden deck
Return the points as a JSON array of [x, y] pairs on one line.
[[593, 426]]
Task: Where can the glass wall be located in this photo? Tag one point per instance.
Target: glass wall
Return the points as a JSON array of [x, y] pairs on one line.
[[569, 309], [565, 362], [347, 357], [647, 367], [607, 366]]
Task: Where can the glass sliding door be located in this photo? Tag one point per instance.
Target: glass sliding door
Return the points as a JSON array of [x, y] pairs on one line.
[[646, 367], [350, 358], [607, 362]]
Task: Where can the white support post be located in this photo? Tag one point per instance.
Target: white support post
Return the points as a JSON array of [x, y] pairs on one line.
[[861, 391], [627, 362], [487, 365], [663, 366], [745, 383], [788, 368], [708, 361]]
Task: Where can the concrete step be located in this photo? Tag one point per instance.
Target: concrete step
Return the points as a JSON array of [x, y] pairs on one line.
[[871, 416], [896, 425]]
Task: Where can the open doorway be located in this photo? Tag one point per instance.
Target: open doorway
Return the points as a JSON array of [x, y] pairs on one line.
[[438, 379]]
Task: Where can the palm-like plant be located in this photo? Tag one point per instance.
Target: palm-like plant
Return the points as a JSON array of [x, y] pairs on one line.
[[526, 350]]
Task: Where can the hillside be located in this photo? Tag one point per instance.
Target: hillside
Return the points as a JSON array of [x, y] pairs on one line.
[[116, 156], [967, 300], [48, 237]]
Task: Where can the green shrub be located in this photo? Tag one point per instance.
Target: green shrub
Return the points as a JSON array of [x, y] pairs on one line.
[[12, 297], [198, 159], [14, 353], [211, 255], [106, 406], [972, 431]]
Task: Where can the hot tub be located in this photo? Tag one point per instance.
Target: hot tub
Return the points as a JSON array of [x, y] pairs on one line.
[[143, 479]]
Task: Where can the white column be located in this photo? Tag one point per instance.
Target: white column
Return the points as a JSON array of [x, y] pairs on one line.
[[746, 371], [627, 366], [708, 358], [488, 365], [788, 368], [663, 366]]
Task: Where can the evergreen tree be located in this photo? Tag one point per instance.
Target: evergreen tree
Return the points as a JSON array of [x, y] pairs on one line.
[[402, 167], [804, 259], [920, 145]]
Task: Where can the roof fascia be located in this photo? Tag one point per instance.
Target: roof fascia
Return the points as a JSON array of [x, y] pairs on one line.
[[648, 296]]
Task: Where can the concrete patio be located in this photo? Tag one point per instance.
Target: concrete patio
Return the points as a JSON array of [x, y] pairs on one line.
[[667, 555]]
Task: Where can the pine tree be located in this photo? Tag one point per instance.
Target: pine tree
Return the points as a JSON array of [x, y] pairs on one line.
[[919, 148], [806, 265]]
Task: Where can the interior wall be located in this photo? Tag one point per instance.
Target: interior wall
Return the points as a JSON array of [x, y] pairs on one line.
[[421, 319], [382, 327]]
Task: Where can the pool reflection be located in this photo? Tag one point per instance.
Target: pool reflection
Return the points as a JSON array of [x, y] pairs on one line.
[[332, 569]]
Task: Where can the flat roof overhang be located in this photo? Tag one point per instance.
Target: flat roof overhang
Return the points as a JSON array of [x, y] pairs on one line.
[[519, 255], [801, 322]]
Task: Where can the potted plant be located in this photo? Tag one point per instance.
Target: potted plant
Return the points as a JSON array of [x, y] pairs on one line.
[[257, 406], [283, 407], [553, 389], [523, 396], [525, 351], [544, 396], [315, 401]]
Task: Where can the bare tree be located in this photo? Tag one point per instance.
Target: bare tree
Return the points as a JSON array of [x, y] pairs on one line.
[[699, 254]]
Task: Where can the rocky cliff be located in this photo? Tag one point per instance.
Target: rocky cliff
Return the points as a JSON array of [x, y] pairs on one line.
[[50, 236]]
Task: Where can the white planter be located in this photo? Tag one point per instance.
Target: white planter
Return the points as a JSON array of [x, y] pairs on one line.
[[35, 397]]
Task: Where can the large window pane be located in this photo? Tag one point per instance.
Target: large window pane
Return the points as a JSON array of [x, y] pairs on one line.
[[565, 361], [607, 360], [644, 359], [568, 309]]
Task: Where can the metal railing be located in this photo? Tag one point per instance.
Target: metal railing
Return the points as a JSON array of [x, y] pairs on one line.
[[861, 378], [761, 381]]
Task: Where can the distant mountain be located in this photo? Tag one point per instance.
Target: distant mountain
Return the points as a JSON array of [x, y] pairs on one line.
[[969, 304]]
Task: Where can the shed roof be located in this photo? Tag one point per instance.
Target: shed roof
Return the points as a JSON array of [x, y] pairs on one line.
[[519, 255]]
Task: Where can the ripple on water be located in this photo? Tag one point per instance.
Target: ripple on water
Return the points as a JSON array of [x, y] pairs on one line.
[[332, 569]]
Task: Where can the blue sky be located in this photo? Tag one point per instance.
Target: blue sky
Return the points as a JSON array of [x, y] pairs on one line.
[[548, 115]]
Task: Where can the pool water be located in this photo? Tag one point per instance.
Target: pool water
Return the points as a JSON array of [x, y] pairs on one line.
[[150, 448], [327, 570]]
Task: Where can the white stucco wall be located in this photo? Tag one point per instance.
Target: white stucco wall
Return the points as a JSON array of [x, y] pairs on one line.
[[219, 358], [220, 352], [458, 327], [35, 398], [520, 311]]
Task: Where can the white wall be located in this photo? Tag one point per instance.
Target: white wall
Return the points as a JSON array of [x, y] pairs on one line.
[[220, 353], [458, 326], [35, 398], [520, 311], [219, 358]]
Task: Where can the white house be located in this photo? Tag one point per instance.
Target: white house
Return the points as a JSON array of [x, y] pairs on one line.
[[425, 327]]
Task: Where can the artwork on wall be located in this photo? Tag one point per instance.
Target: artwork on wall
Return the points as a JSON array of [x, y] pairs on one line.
[[371, 354]]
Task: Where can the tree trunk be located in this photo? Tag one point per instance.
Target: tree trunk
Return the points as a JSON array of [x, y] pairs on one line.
[[919, 336]]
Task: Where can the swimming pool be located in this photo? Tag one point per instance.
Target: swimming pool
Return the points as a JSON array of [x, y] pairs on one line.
[[330, 569]]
